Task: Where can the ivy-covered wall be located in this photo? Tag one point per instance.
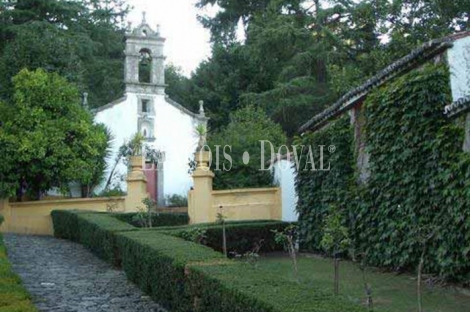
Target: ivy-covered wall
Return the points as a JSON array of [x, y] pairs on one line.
[[418, 194]]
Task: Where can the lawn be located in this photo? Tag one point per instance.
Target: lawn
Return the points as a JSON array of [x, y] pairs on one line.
[[391, 292]]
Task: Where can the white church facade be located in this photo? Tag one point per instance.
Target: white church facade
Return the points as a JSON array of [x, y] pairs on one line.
[[145, 108]]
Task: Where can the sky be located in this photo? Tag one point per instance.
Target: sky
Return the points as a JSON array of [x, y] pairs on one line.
[[187, 42]]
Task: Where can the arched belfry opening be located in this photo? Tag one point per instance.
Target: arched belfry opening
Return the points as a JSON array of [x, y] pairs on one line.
[[145, 66], [145, 62]]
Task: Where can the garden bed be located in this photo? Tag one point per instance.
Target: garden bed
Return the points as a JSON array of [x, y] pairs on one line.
[[390, 292], [185, 276]]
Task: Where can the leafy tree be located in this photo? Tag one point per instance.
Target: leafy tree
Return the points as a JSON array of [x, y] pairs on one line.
[[81, 40], [298, 56], [47, 139], [179, 87], [224, 24], [247, 127], [335, 240]]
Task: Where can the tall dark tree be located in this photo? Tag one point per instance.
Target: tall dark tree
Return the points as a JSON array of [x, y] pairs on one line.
[[81, 40]]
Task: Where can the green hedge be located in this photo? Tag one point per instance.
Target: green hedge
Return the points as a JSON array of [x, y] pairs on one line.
[[96, 231], [156, 263], [65, 224], [241, 237], [13, 296], [158, 220], [186, 277], [245, 288]]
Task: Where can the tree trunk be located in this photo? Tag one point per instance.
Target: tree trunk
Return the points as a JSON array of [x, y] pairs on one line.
[[224, 237], [336, 282], [418, 286]]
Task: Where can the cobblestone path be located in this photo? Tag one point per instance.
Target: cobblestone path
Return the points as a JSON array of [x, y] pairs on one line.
[[65, 277]]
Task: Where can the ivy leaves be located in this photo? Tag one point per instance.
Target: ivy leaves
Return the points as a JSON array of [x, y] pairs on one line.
[[419, 181]]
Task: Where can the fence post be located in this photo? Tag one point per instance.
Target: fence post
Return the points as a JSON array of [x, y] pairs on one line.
[[136, 185], [200, 203]]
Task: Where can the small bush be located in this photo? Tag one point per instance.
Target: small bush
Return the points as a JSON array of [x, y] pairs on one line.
[[2, 219], [13, 296]]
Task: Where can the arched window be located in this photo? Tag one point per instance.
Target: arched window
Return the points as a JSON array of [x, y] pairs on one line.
[[145, 66]]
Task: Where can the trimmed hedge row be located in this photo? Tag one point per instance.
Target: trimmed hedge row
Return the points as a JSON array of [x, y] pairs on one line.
[[156, 263], [158, 220], [13, 296], [184, 276], [241, 237], [242, 287], [187, 277], [96, 231]]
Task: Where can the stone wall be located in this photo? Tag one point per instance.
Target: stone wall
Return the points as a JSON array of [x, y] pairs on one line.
[[235, 205]]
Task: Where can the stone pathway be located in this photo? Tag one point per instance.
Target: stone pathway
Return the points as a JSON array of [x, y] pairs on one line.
[[65, 277]]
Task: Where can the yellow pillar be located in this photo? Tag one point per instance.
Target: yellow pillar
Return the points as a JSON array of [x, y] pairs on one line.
[[5, 211], [200, 210], [136, 185]]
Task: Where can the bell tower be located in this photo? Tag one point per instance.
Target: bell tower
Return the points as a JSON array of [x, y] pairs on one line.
[[145, 62]]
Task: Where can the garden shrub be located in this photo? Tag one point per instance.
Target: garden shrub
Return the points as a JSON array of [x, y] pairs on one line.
[[158, 220], [2, 219], [13, 295], [185, 276], [156, 263], [98, 233], [65, 223], [94, 230], [419, 179], [239, 286], [241, 237]]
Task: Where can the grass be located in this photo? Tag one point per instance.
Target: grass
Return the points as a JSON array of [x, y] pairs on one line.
[[13, 296], [390, 292]]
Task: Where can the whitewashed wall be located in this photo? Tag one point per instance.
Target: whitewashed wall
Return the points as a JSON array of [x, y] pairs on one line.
[[459, 64], [284, 176], [174, 133]]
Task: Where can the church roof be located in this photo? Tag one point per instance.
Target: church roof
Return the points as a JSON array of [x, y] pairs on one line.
[[167, 100], [415, 59], [109, 105], [145, 30], [184, 109]]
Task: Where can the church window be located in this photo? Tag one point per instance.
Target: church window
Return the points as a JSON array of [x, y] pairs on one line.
[[145, 106], [145, 66]]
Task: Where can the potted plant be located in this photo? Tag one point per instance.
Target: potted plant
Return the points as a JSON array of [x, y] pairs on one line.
[[202, 156], [135, 146]]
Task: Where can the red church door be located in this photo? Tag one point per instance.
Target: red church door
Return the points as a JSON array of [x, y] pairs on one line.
[[150, 172]]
